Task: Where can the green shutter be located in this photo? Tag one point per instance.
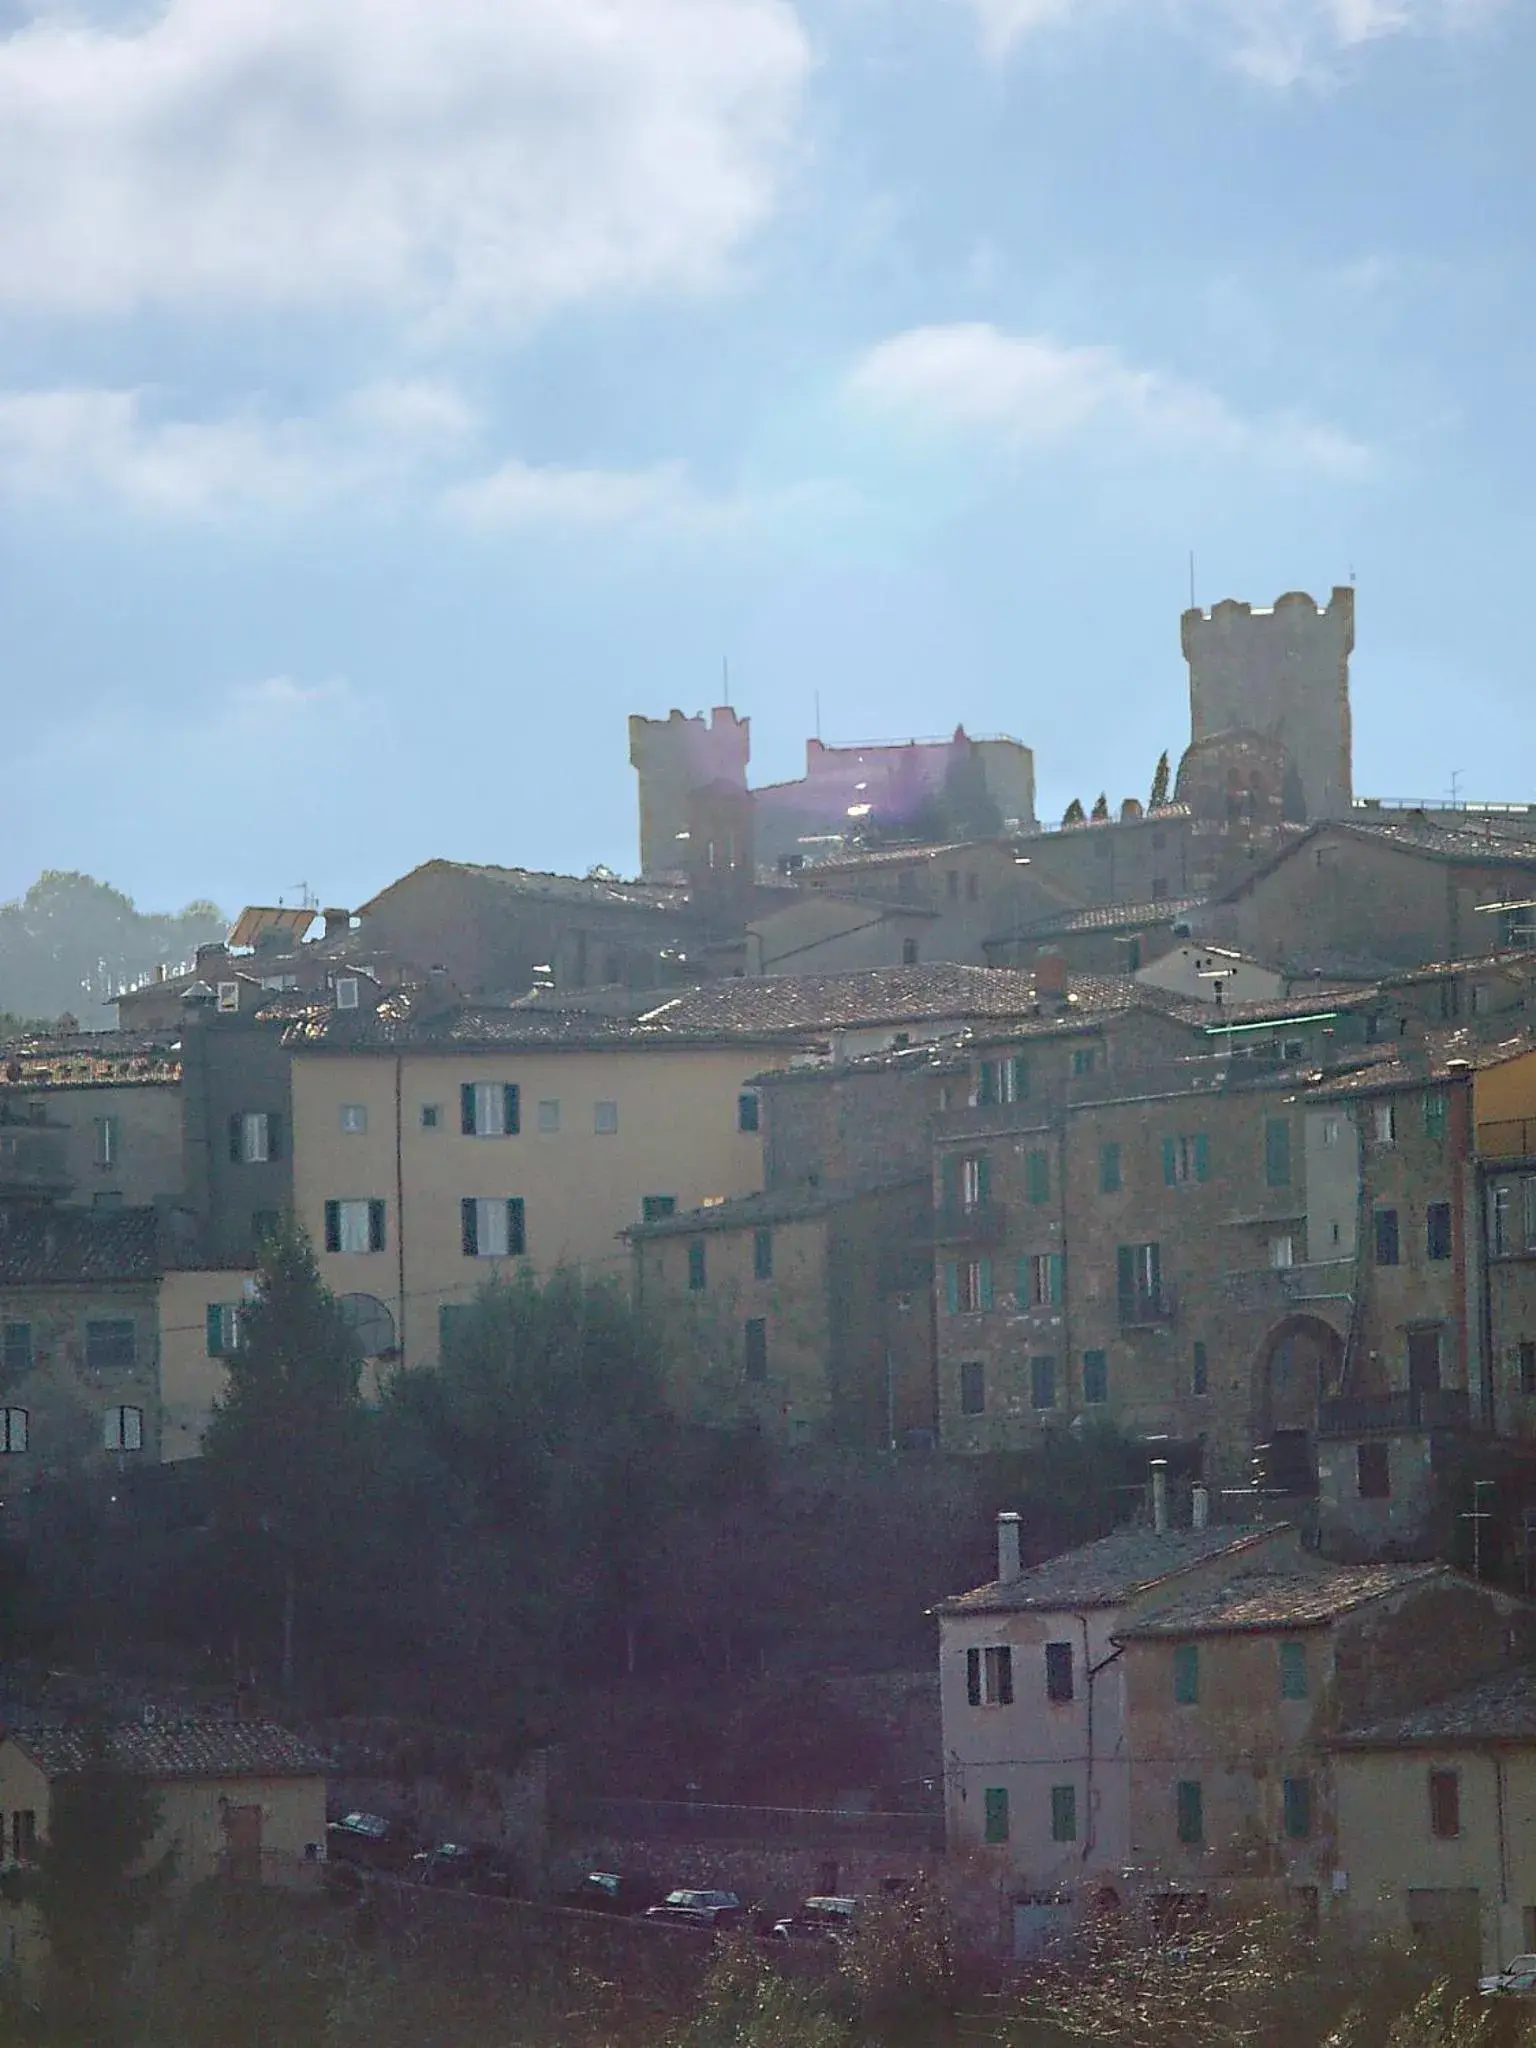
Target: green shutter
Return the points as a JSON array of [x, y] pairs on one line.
[[274, 1137], [469, 1227], [949, 1180], [236, 1134], [1038, 1177], [1434, 1115], [1186, 1674], [1109, 1170], [1277, 1152], [1170, 1162], [1298, 1808], [1063, 1813], [512, 1109], [1057, 1277], [1191, 1810], [952, 1287], [1020, 1078], [997, 1813], [986, 1086], [1293, 1671], [1202, 1156], [467, 1108], [984, 1178], [984, 1291], [376, 1226], [517, 1227], [215, 1330], [333, 1226]]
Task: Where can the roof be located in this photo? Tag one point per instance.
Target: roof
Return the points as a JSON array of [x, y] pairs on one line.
[[597, 889], [1441, 1057], [89, 1059], [51, 1247], [1302, 1598], [175, 1748], [1103, 917], [256, 923], [949, 1054], [881, 995], [1501, 1709], [795, 1204], [1113, 1570], [1409, 833], [895, 856]]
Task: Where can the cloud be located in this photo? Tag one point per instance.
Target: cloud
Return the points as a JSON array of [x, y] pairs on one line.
[[521, 495], [455, 160], [1035, 392], [1281, 43]]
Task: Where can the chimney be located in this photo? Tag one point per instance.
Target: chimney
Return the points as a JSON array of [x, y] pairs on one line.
[[211, 956], [1160, 1495], [1008, 1563], [160, 972], [1050, 977], [1201, 1507], [337, 923]]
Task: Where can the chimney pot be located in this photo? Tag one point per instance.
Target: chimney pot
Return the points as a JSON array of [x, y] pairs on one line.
[[1050, 977], [1009, 1562], [1201, 1505], [337, 923], [1160, 1495]]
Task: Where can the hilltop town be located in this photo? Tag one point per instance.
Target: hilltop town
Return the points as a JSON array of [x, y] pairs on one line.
[[1117, 1235]]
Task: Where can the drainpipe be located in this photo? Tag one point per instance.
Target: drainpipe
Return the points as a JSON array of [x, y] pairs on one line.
[[400, 1198], [1090, 1673]]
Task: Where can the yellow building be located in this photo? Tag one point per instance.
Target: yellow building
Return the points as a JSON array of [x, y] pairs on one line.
[[199, 1327]]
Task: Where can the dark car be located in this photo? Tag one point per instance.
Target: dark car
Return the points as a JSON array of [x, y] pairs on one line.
[[476, 1867], [369, 1841], [700, 1909], [613, 1891], [824, 1919]]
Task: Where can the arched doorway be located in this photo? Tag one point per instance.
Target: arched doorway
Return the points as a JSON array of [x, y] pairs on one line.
[[1300, 1365]]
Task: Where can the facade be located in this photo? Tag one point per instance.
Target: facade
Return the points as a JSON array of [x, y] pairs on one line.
[[1115, 938], [199, 1325], [1150, 857], [1212, 974], [820, 932]]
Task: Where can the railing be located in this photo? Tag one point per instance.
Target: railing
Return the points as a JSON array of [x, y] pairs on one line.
[[981, 1223], [1432, 804], [1271, 1287], [1148, 1308], [1510, 1138], [675, 1820], [1407, 1408]]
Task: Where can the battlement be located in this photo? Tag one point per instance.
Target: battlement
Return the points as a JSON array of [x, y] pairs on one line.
[[675, 757]]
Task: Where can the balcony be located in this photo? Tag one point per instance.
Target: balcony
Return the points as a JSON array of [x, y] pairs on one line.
[[980, 1223], [32, 1164], [1514, 1138], [1274, 1289], [1148, 1308], [1407, 1408]]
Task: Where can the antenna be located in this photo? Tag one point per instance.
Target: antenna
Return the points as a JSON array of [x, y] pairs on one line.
[[725, 672], [1192, 604], [818, 714]]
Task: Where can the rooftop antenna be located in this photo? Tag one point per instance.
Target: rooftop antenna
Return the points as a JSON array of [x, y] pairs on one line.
[[1192, 604], [725, 672], [818, 715]]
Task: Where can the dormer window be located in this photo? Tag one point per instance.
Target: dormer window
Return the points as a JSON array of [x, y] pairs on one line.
[[346, 992], [229, 997]]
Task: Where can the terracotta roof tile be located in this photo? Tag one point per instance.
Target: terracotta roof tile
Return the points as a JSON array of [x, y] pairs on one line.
[[1501, 1709], [1303, 1598], [175, 1748], [43, 1247], [1112, 1571]]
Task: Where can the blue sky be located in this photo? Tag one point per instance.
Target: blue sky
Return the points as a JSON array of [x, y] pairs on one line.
[[395, 394]]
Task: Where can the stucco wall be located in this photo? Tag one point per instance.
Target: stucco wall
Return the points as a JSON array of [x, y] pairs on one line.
[[190, 1380]]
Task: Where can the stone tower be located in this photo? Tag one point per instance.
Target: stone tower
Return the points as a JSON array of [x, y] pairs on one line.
[[1285, 675], [675, 757]]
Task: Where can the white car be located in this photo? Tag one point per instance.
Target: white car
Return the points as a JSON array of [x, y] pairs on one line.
[[1515, 1980]]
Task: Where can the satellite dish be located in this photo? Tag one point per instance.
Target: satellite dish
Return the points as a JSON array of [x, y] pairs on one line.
[[370, 1321]]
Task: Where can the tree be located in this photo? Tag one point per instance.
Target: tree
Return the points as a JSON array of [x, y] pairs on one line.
[[1073, 814], [1160, 780], [72, 942], [93, 1890], [1101, 807], [284, 1451]]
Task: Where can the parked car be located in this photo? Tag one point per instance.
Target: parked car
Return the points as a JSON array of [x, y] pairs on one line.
[[821, 1920], [1515, 1980], [369, 1840], [476, 1867], [613, 1891], [700, 1909]]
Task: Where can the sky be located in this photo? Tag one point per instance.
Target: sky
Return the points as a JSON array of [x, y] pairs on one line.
[[396, 394]]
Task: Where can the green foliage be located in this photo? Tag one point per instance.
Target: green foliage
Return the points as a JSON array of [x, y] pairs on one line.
[[1074, 814], [1161, 777], [1438, 2019], [745, 2003], [72, 942], [900, 1965], [1101, 807]]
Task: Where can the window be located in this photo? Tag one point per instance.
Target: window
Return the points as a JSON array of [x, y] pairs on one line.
[[953, 881], [492, 1228], [109, 1345], [223, 1328], [749, 1110], [1293, 1671], [972, 886], [656, 1208], [228, 997], [1434, 1114], [698, 1267], [13, 1431], [605, 1119], [1373, 1471], [354, 1119], [1084, 1060], [1528, 1191], [1277, 1152], [1063, 1813], [1186, 1158], [1109, 1170], [1139, 1281], [1384, 1123], [996, 1807], [1298, 1808], [1042, 1383], [354, 1226], [1331, 1130], [549, 1118], [1058, 1673], [1199, 1370], [16, 1347], [967, 1182], [908, 946], [1003, 1080], [106, 1140], [1186, 1674], [762, 1254], [23, 1835], [1527, 1365], [122, 1429], [490, 1109], [1282, 1252], [1037, 1176], [1189, 1809], [346, 992], [1500, 1219], [973, 1387], [431, 1116], [755, 1348], [1437, 1230], [1095, 1378], [1043, 1276], [989, 1676], [969, 1283], [255, 1138], [1445, 1804], [1386, 1237]]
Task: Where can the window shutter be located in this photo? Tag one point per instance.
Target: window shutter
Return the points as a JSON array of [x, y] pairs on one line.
[[1202, 1157], [1277, 1153], [467, 1109], [511, 1107], [333, 1226], [973, 1677], [375, 1226], [986, 1092], [1038, 1176], [984, 1294], [949, 1181], [952, 1288], [469, 1227], [1155, 1268], [1170, 1162], [516, 1238], [236, 1150], [984, 1178], [215, 1330], [274, 1137], [1005, 1677], [1125, 1276], [1020, 1078], [1057, 1270], [1026, 1282]]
